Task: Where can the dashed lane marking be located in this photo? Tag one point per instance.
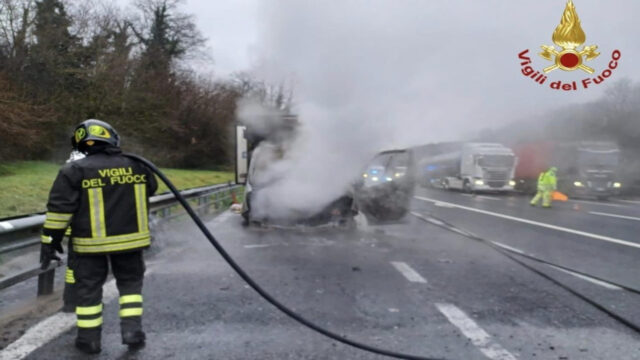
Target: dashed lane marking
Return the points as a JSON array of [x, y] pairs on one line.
[[408, 272], [254, 246], [442, 204], [479, 338], [614, 215], [537, 223]]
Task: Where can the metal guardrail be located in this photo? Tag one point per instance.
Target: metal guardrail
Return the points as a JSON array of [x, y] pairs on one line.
[[24, 232]]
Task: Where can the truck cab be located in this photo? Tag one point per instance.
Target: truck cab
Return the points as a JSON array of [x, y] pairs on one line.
[[595, 171]]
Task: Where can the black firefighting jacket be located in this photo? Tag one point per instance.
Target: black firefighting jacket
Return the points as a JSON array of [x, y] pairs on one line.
[[105, 199]]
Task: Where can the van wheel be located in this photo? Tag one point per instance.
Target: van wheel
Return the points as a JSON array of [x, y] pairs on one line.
[[466, 187]]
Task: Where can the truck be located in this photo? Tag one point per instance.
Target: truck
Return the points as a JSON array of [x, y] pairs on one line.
[[467, 166], [585, 168]]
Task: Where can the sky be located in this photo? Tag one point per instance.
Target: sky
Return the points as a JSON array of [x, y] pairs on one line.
[[377, 74]]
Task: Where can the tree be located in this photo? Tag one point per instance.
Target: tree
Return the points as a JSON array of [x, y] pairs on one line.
[[16, 21]]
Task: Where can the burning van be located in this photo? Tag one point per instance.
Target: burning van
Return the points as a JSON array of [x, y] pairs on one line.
[[264, 167]]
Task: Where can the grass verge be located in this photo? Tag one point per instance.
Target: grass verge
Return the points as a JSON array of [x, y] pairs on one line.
[[25, 185]]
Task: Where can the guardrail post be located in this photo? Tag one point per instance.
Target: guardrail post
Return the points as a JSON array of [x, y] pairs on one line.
[[45, 281]]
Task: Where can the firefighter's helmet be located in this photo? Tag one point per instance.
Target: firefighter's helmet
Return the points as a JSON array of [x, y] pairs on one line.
[[90, 131]]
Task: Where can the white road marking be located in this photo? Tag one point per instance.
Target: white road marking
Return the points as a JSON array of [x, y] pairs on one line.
[[580, 276], [48, 329], [488, 198], [481, 197], [545, 225], [508, 247], [408, 272], [516, 250], [614, 215], [254, 246], [442, 205], [475, 333], [589, 279], [599, 203], [629, 201], [52, 327], [6, 225]]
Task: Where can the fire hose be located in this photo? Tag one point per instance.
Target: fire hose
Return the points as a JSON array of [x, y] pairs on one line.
[[255, 286]]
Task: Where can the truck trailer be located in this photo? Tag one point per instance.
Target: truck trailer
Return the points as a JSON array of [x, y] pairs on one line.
[[468, 167], [585, 169]]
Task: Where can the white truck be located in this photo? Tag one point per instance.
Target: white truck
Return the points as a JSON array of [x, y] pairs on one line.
[[469, 167]]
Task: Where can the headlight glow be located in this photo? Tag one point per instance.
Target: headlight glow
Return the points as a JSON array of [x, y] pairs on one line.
[[375, 178], [512, 183], [365, 175], [388, 178], [479, 182], [617, 185], [578, 184]]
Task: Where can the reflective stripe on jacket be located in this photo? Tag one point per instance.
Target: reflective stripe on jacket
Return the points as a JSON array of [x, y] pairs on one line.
[[104, 198]]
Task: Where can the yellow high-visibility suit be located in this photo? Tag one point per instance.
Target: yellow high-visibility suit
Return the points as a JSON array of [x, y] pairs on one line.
[[547, 184]]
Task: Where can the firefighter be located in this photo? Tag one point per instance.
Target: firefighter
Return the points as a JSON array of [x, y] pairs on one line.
[[104, 198], [547, 182]]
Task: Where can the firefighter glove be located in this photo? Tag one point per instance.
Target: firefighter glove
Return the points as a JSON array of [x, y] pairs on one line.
[[48, 253]]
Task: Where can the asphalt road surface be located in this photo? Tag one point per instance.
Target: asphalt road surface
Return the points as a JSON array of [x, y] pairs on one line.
[[412, 287]]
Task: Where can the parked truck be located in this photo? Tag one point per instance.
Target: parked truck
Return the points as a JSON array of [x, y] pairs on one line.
[[585, 169], [469, 167]]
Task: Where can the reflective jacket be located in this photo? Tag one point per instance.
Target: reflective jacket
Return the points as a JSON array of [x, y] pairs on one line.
[[105, 199], [547, 181]]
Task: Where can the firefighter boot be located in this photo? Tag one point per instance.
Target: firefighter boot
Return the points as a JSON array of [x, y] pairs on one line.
[[88, 347], [135, 339], [88, 341]]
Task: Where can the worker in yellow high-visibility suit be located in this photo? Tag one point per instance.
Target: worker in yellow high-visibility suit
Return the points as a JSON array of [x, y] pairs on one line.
[[547, 183]]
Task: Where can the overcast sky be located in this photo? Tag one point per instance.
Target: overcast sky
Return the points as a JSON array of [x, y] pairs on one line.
[[441, 67]]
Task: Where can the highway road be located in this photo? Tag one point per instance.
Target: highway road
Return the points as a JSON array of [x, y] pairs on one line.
[[417, 287]]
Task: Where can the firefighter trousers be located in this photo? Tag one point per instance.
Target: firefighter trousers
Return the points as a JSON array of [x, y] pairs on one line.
[[546, 198], [90, 275], [69, 294]]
